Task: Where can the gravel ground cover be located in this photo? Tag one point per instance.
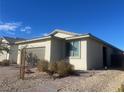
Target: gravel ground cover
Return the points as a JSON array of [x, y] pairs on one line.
[[94, 80]]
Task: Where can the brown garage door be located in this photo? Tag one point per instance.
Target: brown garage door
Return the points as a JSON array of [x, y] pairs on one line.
[[38, 51], [35, 54]]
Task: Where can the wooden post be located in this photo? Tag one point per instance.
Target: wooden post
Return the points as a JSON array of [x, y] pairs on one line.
[[22, 65]]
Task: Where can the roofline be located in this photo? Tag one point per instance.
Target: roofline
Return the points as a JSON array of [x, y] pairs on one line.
[[32, 40], [106, 43], [88, 35], [78, 37], [63, 31], [5, 37]]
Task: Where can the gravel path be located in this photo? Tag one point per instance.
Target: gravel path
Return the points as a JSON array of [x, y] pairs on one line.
[[95, 80]]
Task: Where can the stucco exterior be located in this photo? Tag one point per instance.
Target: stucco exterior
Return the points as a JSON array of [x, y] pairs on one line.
[[35, 44], [57, 49], [58, 53], [91, 49], [80, 63], [95, 54]]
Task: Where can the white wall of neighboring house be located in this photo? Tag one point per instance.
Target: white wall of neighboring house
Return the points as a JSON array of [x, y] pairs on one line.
[[12, 54], [4, 55]]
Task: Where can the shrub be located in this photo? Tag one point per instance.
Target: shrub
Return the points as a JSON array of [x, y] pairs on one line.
[[5, 63], [52, 67], [60, 68], [42, 66], [64, 69]]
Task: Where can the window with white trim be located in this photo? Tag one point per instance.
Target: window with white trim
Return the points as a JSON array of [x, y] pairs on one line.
[[73, 49]]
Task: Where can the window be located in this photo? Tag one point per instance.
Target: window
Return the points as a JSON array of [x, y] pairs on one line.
[[73, 49]]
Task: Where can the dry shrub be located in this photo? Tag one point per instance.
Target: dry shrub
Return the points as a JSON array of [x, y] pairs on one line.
[[64, 68], [52, 67], [42, 66], [5, 63], [60, 68]]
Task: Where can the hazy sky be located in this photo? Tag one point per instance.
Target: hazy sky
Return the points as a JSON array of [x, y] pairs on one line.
[[33, 18]]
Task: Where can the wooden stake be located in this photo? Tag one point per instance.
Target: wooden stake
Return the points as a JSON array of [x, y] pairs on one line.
[[22, 67]]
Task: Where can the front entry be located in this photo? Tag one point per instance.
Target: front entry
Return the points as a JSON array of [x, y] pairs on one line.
[[104, 56]]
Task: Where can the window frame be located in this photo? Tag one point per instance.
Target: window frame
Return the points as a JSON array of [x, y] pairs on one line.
[[79, 46]]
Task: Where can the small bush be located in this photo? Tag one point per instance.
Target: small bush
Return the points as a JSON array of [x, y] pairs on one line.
[[5, 63], [52, 67], [42, 66], [60, 68], [64, 69]]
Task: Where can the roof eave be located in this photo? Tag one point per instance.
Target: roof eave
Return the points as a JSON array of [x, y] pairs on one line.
[[62, 31], [32, 40], [104, 42], [78, 37], [93, 37]]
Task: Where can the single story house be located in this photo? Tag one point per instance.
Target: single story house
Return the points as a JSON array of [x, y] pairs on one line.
[[84, 51], [9, 42]]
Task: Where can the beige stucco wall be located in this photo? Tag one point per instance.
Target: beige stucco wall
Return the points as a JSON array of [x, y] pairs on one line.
[[58, 53], [57, 49], [91, 52], [95, 54], [42, 43], [80, 63]]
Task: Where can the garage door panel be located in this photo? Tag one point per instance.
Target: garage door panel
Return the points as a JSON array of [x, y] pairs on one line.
[[39, 52]]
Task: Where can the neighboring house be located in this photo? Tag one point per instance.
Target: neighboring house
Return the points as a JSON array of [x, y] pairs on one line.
[[13, 49], [84, 51]]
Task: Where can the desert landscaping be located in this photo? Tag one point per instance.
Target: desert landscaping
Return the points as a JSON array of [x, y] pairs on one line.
[[93, 80]]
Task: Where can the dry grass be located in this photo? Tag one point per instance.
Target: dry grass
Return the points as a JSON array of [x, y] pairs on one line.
[[42, 66]]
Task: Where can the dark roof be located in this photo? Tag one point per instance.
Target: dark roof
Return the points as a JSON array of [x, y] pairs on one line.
[[95, 38], [104, 42], [13, 40]]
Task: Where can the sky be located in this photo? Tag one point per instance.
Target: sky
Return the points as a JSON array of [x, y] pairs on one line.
[[35, 18]]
